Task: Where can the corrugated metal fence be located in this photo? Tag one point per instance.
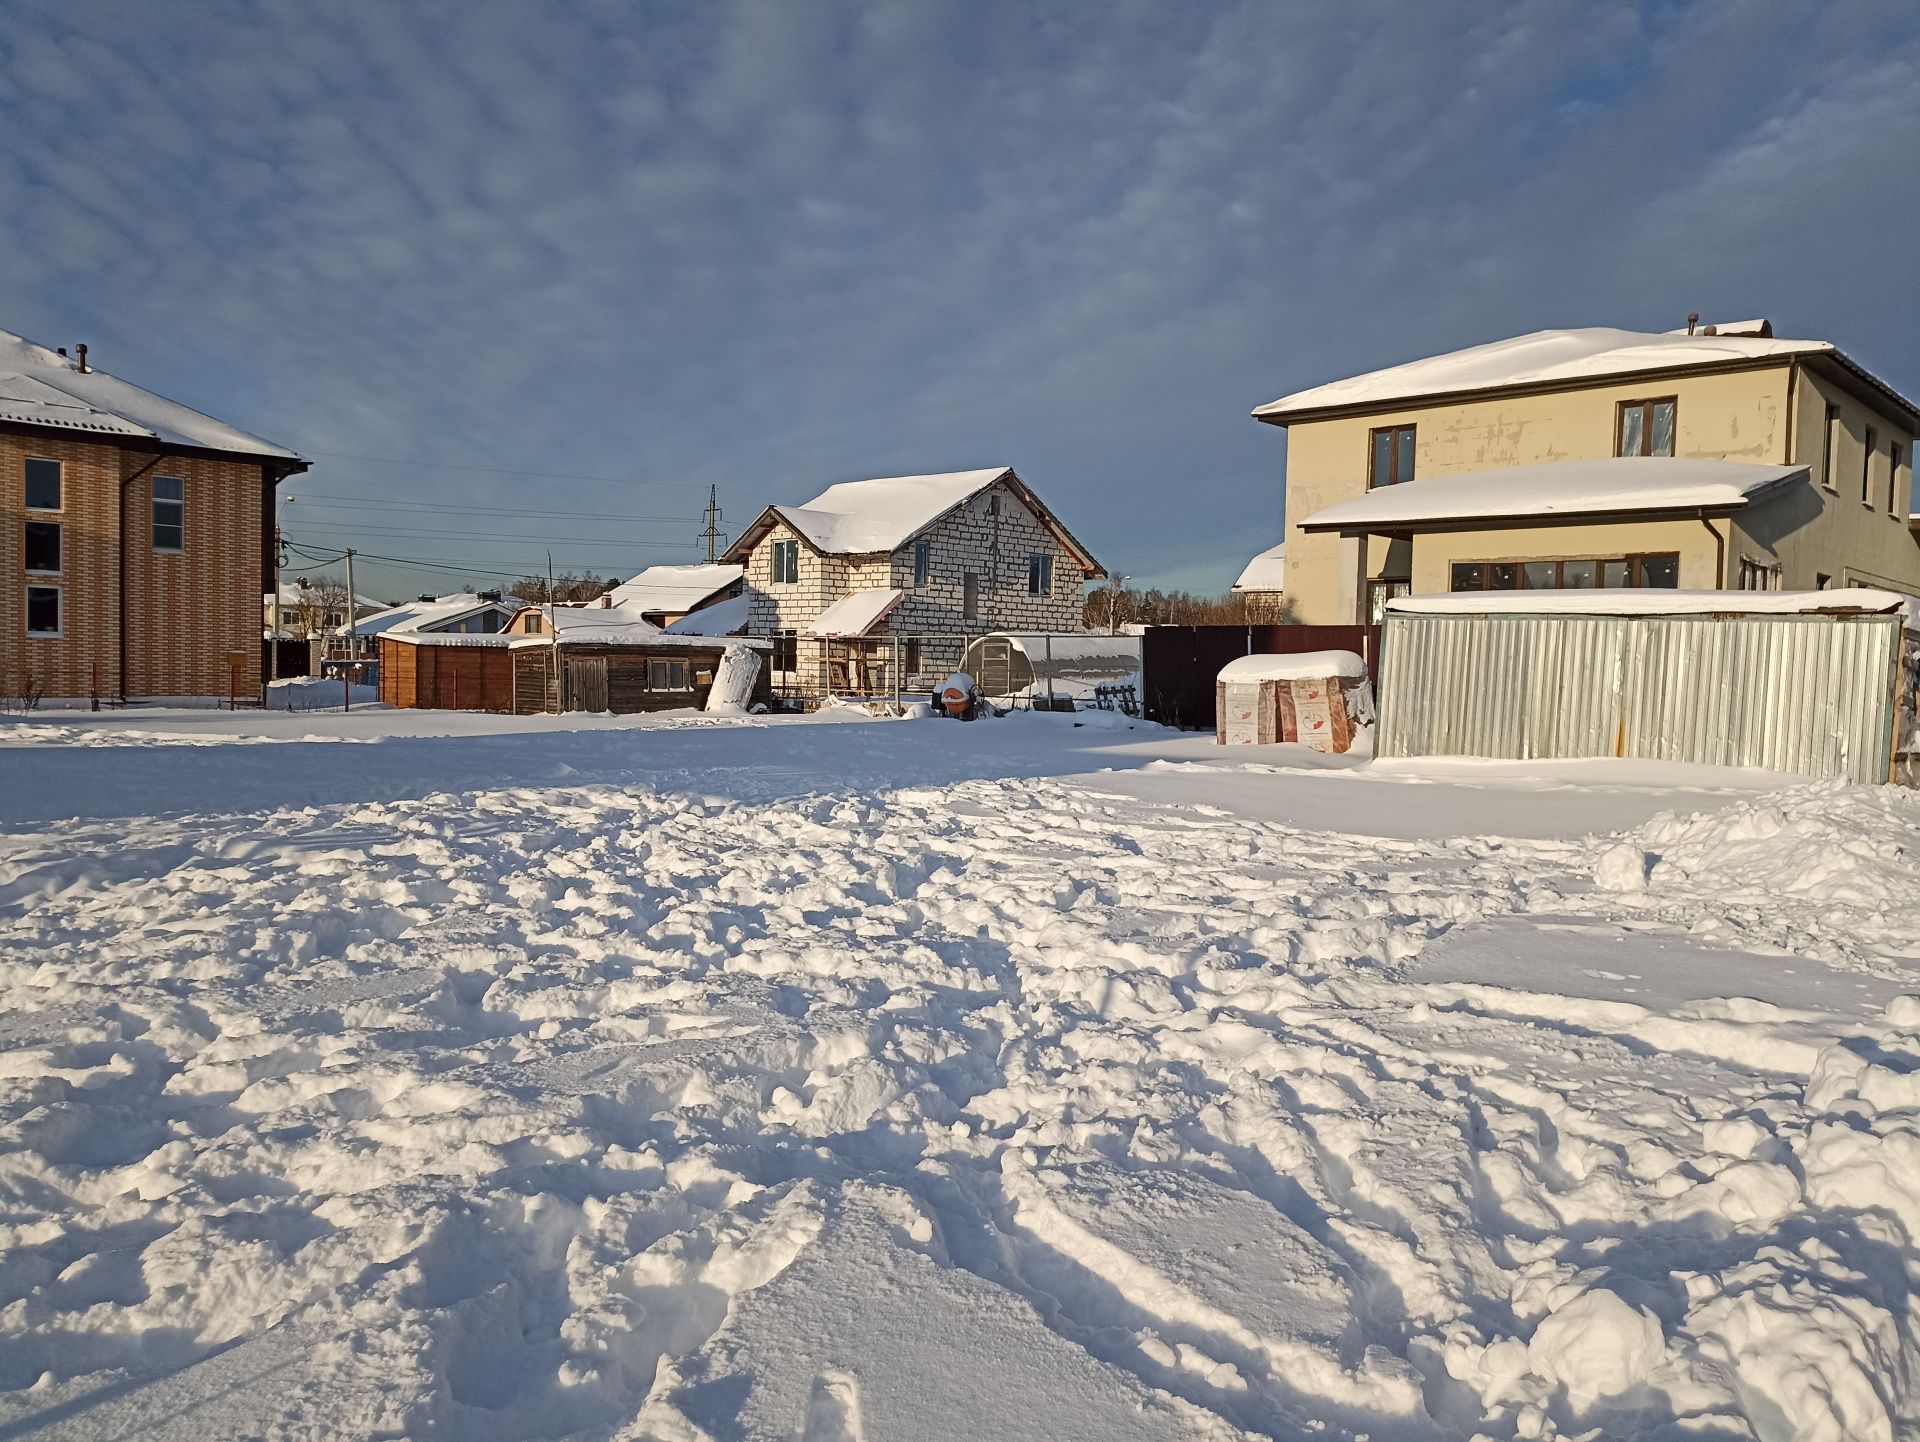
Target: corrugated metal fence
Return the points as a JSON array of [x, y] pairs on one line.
[[1816, 695]]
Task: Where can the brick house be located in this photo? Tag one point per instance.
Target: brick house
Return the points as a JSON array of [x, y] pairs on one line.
[[136, 537], [898, 572]]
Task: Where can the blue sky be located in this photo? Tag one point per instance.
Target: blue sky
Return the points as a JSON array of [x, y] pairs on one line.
[[478, 259]]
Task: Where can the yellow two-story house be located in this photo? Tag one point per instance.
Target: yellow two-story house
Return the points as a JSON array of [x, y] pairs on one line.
[[1708, 458]]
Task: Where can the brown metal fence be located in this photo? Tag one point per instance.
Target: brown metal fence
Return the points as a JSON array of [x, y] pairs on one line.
[[1181, 663]]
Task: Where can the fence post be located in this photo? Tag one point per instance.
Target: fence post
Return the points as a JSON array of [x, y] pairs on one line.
[[346, 691]]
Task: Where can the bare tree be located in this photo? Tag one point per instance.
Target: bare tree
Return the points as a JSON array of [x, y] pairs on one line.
[[322, 605], [566, 587]]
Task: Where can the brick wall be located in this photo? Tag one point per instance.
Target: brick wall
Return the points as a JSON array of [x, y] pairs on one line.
[[185, 612], [971, 539]]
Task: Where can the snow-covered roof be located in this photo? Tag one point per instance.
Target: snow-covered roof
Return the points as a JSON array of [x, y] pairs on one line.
[[1540, 358], [1266, 571], [858, 518], [1299, 666], [1609, 486], [857, 613], [722, 618], [1653, 602], [597, 625], [40, 387], [676, 588], [418, 616], [292, 593]]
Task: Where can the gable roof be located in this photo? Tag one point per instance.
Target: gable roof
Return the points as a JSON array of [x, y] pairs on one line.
[[1266, 571], [419, 616], [1556, 490], [676, 588], [1556, 357], [876, 517], [39, 387]]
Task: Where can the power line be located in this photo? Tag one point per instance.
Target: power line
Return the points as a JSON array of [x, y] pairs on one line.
[[484, 535], [357, 502], [507, 471]]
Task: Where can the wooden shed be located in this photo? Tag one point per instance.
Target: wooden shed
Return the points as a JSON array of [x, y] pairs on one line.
[[446, 673], [530, 675]]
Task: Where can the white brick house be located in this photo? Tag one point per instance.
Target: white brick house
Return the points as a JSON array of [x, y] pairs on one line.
[[906, 566]]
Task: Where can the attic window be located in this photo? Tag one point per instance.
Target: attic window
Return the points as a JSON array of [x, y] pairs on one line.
[[1646, 427], [786, 563]]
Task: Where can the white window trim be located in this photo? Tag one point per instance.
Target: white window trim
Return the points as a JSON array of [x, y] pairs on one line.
[[154, 502], [59, 510], [60, 610], [61, 525]]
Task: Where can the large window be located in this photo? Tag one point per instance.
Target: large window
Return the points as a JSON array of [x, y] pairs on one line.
[[169, 513], [1658, 570], [43, 547], [43, 485], [1646, 427], [1040, 575], [43, 610], [667, 676], [786, 563], [786, 652], [1830, 456], [1866, 466], [1391, 462], [922, 561]]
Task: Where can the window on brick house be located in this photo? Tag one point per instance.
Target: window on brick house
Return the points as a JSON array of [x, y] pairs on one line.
[[922, 561], [1866, 466], [169, 513], [786, 563], [1391, 459], [43, 610], [43, 485], [1040, 575], [910, 660], [1645, 428], [786, 652], [970, 596], [43, 547]]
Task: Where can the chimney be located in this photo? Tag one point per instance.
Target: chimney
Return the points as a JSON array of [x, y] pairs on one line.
[[1693, 319], [81, 351], [60, 350], [489, 595], [428, 599], [606, 602]]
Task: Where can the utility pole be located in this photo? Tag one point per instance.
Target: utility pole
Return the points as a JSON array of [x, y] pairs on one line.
[[713, 535], [353, 623], [1113, 603], [273, 646]]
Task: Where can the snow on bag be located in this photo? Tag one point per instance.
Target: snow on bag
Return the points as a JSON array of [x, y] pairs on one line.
[[733, 679]]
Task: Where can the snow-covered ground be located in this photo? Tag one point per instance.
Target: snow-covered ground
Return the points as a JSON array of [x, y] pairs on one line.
[[402, 1074]]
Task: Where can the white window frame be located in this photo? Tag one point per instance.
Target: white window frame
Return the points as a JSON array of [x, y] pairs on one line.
[[788, 575], [1040, 573], [39, 518], [59, 613], [60, 480], [155, 502]]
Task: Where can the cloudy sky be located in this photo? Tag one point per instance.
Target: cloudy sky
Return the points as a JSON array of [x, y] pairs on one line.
[[529, 277]]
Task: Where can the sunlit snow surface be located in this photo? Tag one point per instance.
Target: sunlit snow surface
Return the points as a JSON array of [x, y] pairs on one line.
[[412, 1075]]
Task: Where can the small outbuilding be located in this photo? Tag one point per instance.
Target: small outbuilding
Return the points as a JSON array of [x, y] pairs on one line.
[[1318, 698]]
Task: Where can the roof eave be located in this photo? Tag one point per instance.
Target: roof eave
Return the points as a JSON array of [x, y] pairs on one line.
[[154, 445], [1521, 522], [1285, 418]]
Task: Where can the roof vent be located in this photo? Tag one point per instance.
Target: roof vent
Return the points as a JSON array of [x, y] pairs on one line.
[[81, 352], [1693, 321], [489, 596], [429, 600], [60, 350]]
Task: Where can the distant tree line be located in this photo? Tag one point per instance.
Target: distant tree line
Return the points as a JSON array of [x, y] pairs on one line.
[[1105, 607], [565, 587]]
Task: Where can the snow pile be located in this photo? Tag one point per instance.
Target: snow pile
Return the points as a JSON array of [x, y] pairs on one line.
[[721, 1102], [1294, 666], [1823, 869]]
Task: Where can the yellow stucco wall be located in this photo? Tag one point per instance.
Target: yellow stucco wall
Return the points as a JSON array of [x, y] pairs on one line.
[[1434, 555], [1747, 415]]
